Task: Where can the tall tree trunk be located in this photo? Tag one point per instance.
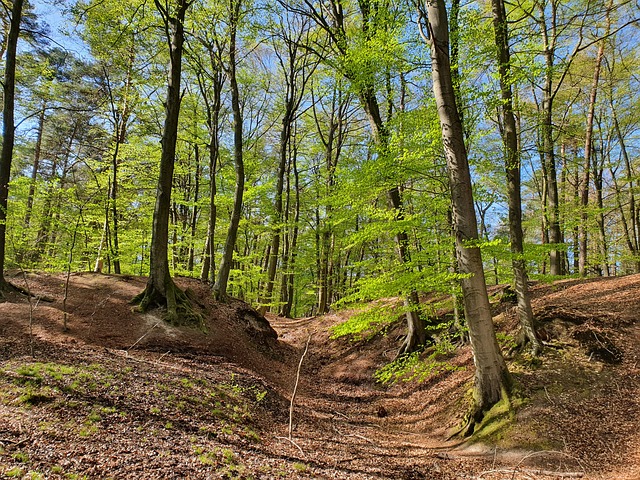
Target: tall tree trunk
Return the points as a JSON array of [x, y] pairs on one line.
[[287, 308], [492, 380], [285, 137], [633, 229], [160, 289], [552, 212], [194, 213], [512, 168], [588, 148], [220, 287], [213, 108], [416, 334], [8, 130]]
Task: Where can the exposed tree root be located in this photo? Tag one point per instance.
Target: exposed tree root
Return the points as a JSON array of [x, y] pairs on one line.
[[527, 342], [8, 287], [179, 307], [476, 415]]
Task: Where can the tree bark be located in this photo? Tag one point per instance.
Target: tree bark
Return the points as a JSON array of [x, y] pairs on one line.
[[8, 130], [512, 168], [220, 287], [588, 148], [160, 289], [492, 380]]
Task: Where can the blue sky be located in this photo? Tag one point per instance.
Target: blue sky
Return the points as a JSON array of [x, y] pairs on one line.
[[55, 14]]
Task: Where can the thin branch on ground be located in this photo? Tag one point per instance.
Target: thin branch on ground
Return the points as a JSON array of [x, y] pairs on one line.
[[294, 444], [144, 335], [295, 387]]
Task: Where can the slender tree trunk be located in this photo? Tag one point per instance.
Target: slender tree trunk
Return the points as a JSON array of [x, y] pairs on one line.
[[552, 211], [492, 380], [220, 287], [632, 232], [213, 108], [160, 289], [195, 212], [285, 137], [36, 166], [588, 148], [8, 130], [512, 168], [287, 308]]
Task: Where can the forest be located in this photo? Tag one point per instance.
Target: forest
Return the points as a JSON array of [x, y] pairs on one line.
[[308, 156]]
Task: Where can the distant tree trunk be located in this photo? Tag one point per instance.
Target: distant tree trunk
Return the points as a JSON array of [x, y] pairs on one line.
[[492, 380], [36, 166], [194, 213], [631, 227], [288, 280], [220, 287], [588, 148], [552, 212], [285, 137], [598, 176], [512, 168], [8, 131], [160, 289], [213, 108]]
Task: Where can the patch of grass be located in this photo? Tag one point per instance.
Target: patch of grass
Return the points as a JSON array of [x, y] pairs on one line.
[[208, 458], [300, 467], [15, 472], [34, 397], [21, 457]]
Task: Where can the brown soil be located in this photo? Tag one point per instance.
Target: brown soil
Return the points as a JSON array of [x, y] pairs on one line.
[[142, 399]]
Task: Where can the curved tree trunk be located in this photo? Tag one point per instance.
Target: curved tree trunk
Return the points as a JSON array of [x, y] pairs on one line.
[[8, 131], [492, 380]]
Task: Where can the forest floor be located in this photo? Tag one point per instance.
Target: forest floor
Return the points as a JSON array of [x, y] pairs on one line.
[[123, 395]]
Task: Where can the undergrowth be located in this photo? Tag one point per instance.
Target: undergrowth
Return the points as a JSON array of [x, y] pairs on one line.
[[366, 324], [418, 366]]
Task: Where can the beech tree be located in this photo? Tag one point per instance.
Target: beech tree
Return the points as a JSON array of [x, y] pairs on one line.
[[160, 289], [512, 167], [220, 287], [492, 380]]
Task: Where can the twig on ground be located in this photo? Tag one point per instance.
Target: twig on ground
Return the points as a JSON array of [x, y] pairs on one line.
[[548, 472], [342, 415], [144, 335], [361, 437], [295, 387], [162, 356], [294, 444]]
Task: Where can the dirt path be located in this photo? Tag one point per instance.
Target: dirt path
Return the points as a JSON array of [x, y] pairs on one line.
[[344, 417]]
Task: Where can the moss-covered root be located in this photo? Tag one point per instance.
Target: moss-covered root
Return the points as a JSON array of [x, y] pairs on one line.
[[180, 310], [480, 411]]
